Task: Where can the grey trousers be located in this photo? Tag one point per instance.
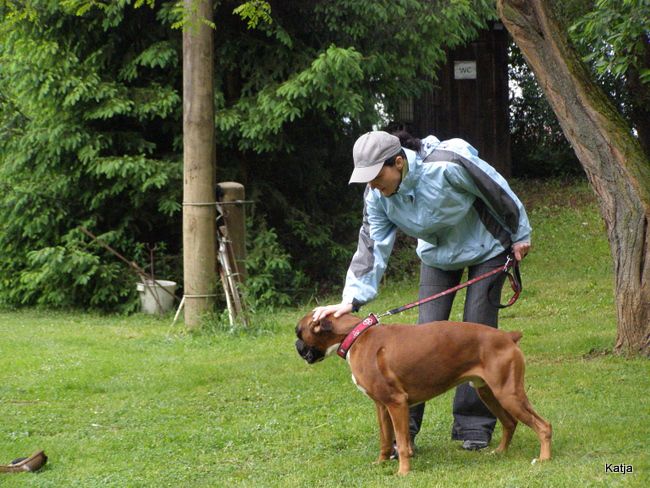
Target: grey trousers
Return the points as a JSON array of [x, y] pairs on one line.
[[472, 419]]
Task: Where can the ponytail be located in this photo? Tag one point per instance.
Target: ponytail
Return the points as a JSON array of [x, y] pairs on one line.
[[408, 141]]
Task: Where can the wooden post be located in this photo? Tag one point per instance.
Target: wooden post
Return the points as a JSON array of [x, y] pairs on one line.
[[199, 211], [235, 216]]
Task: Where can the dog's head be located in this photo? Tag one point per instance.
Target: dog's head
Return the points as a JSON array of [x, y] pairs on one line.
[[318, 339]]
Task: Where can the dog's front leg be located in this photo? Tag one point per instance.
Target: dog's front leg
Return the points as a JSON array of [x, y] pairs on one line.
[[399, 413], [386, 436]]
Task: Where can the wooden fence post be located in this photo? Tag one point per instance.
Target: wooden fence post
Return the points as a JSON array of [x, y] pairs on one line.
[[234, 213]]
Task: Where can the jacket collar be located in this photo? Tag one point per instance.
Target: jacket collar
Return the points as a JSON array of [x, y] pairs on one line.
[[407, 185]]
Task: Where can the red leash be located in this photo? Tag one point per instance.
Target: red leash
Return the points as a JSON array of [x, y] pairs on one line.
[[372, 319], [515, 283]]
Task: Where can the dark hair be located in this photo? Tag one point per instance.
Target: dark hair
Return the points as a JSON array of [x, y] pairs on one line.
[[391, 161], [408, 141]]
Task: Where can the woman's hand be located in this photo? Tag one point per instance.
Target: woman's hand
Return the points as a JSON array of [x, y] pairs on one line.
[[337, 310], [520, 250]]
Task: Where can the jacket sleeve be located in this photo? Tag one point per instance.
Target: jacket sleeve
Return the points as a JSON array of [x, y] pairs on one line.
[[477, 177], [376, 239]]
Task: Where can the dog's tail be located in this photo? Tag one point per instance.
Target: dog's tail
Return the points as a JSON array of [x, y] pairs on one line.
[[515, 335]]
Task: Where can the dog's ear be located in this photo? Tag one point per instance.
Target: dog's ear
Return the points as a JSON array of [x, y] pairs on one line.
[[326, 324], [323, 325]]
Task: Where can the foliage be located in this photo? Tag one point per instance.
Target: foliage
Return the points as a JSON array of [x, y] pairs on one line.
[[615, 36], [254, 12], [539, 147], [87, 138], [272, 280], [293, 95], [314, 61], [614, 39], [90, 127]]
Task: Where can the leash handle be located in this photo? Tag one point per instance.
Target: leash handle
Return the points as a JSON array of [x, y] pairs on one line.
[[515, 283]]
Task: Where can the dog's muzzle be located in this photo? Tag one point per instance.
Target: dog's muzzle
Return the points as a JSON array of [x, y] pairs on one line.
[[309, 354]]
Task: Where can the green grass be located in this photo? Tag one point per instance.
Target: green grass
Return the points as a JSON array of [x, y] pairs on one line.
[[129, 402]]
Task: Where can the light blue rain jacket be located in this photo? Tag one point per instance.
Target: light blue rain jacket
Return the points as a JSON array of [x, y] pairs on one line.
[[459, 208]]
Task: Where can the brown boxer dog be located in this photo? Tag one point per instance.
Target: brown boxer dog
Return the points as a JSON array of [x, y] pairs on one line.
[[399, 366]]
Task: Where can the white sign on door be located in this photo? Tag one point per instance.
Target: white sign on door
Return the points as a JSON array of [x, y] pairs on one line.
[[464, 70]]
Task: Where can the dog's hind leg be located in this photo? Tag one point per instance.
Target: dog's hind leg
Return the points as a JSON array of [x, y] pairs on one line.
[[512, 397], [508, 422], [520, 408], [386, 432]]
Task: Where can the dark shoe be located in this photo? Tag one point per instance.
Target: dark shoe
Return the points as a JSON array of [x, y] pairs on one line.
[[394, 454], [470, 445]]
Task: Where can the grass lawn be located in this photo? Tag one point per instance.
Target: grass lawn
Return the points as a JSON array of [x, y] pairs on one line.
[[130, 402]]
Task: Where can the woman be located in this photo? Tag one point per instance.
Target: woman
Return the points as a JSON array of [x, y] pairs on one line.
[[463, 214]]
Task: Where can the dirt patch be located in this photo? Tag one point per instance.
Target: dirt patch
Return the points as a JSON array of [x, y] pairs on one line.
[[595, 353]]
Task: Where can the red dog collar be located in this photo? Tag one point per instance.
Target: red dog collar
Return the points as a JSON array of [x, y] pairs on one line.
[[354, 334]]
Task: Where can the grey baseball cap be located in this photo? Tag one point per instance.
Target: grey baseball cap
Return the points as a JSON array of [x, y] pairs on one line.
[[370, 152]]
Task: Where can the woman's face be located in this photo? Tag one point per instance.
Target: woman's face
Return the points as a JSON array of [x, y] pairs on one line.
[[389, 178]]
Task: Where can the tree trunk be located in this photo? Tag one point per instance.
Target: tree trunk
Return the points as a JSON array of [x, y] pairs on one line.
[[199, 211], [617, 167]]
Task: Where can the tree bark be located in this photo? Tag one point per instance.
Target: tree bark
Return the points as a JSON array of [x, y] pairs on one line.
[[616, 165], [199, 211]]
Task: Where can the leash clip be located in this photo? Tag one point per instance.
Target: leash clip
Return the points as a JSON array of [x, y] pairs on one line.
[[509, 260]]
